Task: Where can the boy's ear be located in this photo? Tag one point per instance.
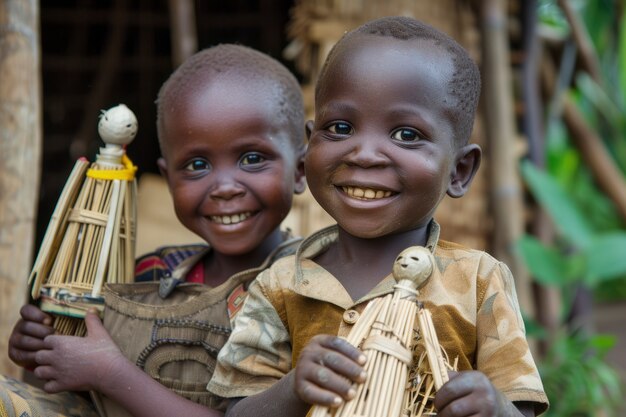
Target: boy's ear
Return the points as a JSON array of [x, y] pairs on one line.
[[467, 163], [308, 126], [162, 167], [299, 178]]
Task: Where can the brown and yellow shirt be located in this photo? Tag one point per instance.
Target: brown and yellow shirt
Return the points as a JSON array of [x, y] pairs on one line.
[[471, 297]]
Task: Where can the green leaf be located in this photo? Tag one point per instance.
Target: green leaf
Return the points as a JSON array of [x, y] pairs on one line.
[[606, 258], [546, 264], [533, 328], [601, 100], [603, 342], [564, 212], [621, 56]]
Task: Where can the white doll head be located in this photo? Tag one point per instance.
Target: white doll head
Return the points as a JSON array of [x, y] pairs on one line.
[[118, 125], [414, 263]]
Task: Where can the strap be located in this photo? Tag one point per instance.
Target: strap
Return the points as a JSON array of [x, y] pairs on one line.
[[126, 174]]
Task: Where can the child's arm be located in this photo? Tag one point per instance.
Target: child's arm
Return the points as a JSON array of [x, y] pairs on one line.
[[28, 335], [325, 375], [471, 393], [94, 362]]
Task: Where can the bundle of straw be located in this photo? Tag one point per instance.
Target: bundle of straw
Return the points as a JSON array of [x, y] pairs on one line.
[[385, 333], [90, 238]]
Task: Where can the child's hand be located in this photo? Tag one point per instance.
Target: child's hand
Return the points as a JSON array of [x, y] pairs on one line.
[[71, 363], [326, 371], [470, 393], [28, 334]]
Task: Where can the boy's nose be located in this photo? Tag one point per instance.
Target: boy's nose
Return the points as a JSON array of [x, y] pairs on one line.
[[226, 189], [367, 152]]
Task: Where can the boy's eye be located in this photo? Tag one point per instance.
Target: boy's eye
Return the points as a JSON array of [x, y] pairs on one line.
[[198, 165], [341, 128], [252, 158], [406, 135]]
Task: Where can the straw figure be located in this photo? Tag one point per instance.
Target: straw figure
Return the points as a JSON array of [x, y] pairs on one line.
[[90, 239], [386, 334]]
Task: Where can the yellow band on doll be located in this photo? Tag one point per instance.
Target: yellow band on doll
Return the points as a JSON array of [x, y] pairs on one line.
[[127, 174]]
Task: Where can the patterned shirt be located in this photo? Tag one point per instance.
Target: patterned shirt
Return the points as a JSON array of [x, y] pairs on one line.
[[470, 294]]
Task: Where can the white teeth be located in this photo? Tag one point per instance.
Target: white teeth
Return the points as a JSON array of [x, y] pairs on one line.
[[231, 219], [365, 193]]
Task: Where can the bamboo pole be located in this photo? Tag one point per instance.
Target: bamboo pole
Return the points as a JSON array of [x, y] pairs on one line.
[[547, 299], [609, 178], [506, 191], [602, 166], [184, 35], [20, 159], [588, 56], [109, 63]]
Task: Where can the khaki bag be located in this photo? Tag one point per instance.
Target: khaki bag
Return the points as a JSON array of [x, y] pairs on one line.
[[175, 340], [174, 330]]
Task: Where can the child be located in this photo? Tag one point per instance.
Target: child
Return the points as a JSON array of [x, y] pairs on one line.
[[395, 103], [231, 131]]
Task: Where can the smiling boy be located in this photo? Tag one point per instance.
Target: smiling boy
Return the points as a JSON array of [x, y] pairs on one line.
[[231, 130], [395, 103]]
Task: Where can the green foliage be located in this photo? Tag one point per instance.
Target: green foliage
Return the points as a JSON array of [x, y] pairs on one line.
[[577, 378], [583, 254], [590, 247]]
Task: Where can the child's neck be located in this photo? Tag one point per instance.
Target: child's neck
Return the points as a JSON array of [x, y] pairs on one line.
[[360, 264], [218, 267]]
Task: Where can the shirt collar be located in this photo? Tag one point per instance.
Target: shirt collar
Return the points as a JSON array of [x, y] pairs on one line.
[[326, 287]]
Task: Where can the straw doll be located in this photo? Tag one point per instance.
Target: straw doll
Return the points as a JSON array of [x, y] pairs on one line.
[[386, 333], [91, 236]]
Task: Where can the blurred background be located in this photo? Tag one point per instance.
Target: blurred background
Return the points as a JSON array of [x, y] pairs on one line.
[[549, 199]]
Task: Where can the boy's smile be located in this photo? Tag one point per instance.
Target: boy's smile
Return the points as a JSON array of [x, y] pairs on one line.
[[231, 164], [365, 193], [382, 150], [231, 219]]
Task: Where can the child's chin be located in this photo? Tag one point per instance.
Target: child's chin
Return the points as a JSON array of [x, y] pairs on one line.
[[364, 231]]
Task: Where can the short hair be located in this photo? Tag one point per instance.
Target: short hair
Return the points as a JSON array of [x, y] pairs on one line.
[[244, 62], [465, 82]]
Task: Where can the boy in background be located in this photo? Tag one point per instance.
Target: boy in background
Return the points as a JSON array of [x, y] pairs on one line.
[[231, 131], [394, 108]]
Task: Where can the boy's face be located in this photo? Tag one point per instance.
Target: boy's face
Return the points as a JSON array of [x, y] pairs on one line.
[[382, 149], [230, 164]]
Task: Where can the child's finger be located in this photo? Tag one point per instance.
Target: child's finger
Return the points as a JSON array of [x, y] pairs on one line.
[[52, 387], [34, 329], [22, 357], [341, 345], [452, 374], [30, 312], [94, 324], [27, 343], [44, 372], [342, 366], [313, 394]]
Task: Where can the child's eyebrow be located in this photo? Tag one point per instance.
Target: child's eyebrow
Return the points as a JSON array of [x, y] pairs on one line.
[[338, 107]]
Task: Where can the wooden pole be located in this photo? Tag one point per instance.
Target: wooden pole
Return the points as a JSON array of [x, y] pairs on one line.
[[547, 299], [20, 159], [588, 56], [598, 159], [109, 64], [184, 36], [506, 194]]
